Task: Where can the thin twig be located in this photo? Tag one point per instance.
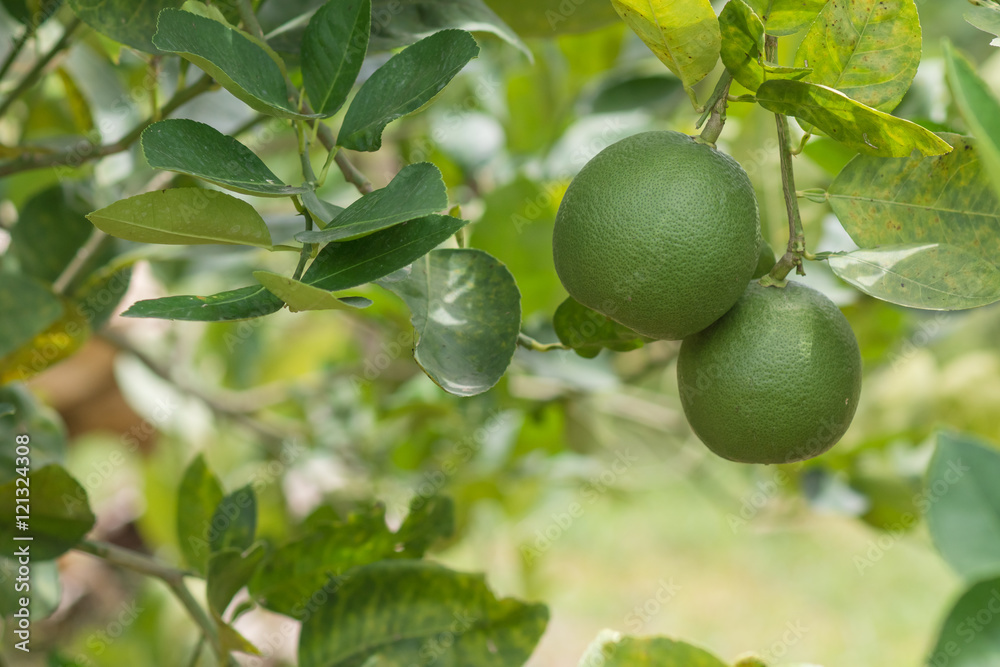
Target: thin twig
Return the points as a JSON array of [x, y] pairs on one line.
[[35, 73], [250, 19], [530, 343], [716, 111], [29, 31], [196, 656], [79, 261]]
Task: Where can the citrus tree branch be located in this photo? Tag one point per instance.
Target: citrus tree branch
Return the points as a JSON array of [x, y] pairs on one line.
[[529, 343], [35, 73], [15, 51], [715, 110], [83, 255], [250, 19]]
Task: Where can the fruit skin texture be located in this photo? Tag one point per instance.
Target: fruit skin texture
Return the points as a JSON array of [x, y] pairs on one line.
[[658, 232], [775, 380], [548, 18]]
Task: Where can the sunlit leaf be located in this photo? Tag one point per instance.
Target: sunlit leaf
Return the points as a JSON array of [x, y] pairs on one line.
[[742, 43], [610, 649], [299, 296], [787, 17], [59, 341], [333, 48]]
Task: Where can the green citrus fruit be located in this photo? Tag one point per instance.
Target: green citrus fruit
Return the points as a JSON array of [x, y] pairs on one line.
[[775, 380], [658, 232], [546, 18]]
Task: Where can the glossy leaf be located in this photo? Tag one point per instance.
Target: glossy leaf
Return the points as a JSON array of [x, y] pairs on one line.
[[186, 216], [964, 517], [299, 296], [945, 199], [610, 649], [787, 17], [851, 123], [963, 640], [131, 22], [190, 147], [239, 304], [466, 310], [979, 108], [931, 276], [26, 309], [340, 266], [230, 57], [229, 570], [198, 496], [986, 18], [417, 190], [59, 515], [742, 43], [867, 49], [234, 522], [333, 48], [683, 34], [587, 332], [405, 83], [395, 611]]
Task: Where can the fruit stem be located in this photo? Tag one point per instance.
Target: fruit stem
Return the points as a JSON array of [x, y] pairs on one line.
[[530, 343], [715, 111]]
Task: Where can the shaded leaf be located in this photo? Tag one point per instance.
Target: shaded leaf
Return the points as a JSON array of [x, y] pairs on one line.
[[979, 108], [239, 304], [333, 48], [26, 309], [131, 22], [787, 17], [986, 18], [416, 191], [683, 34], [58, 515], [299, 296], [851, 123], [233, 641], [79, 107], [59, 341], [24, 414], [186, 216], [397, 610], [234, 522], [198, 496], [588, 332], [229, 570], [742, 43], [610, 649], [321, 210], [636, 92], [930, 276], [466, 311], [405, 83], [963, 641], [867, 49], [190, 147]]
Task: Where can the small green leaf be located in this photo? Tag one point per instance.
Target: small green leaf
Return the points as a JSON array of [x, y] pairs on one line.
[[198, 496], [683, 34], [397, 611], [230, 57], [987, 19], [186, 216], [416, 191], [963, 640], [742, 43], [229, 570], [979, 108], [466, 310], [931, 276], [791, 73], [234, 522], [867, 49], [787, 17], [405, 83], [333, 49], [588, 332], [26, 309], [962, 502], [321, 211], [131, 22], [240, 304], [610, 649], [57, 517], [189, 147], [851, 123], [299, 296]]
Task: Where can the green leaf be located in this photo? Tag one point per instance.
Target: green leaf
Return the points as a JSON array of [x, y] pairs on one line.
[[300, 297], [588, 332], [962, 502], [234, 522], [946, 199], [396, 611], [51, 227], [930, 276], [26, 309], [190, 147], [979, 108], [340, 266], [636, 92], [131, 22], [416, 191], [58, 516], [867, 49], [187, 216], [239, 304], [229, 570], [987, 19], [610, 649], [742, 43], [466, 310], [405, 83], [230, 57], [322, 211], [787, 17], [198, 496], [965, 641], [851, 123], [683, 34], [333, 49], [291, 576], [25, 415]]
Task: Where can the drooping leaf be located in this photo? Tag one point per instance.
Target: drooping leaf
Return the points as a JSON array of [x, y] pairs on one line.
[[333, 48], [742, 43], [963, 640], [610, 649], [787, 17], [229, 570], [930, 276], [198, 496], [186, 216], [54, 525], [394, 610], [683, 34], [416, 191], [190, 147], [587, 332], [230, 57], [299, 296], [946, 199], [986, 18], [867, 49], [341, 266], [27, 308], [962, 502], [466, 310], [979, 108], [851, 123], [234, 522], [239, 304], [405, 83], [131, 22]]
